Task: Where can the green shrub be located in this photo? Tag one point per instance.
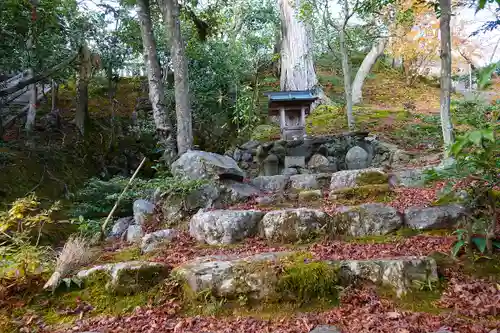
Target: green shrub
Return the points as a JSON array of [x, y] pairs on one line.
[[97, 197]]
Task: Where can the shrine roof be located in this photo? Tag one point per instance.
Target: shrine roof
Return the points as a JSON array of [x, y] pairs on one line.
[[285, 96]]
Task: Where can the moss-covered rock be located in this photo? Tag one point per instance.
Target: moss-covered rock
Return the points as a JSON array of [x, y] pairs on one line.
[[125, 277], [354, 178], [311, 195], [400, 274], [362, 194], [366, 220]]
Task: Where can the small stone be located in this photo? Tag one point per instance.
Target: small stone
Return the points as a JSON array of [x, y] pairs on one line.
[[249, 145], [317, 161], [325, 329], [152, 241], [120, 227], [247, 157], [310, 195], [357, 158], [142, 210], [265, 200], [279, 151], [295, 162], [237, 154], [346, 179], [134, 233], [276, 183], [289, 172]]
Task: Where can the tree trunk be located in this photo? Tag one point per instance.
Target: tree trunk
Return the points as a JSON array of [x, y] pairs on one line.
[[297, 67], [170, 10], [33, 97], [446, 72], [55, 92], [156, 88], [82, 83], [357, 86], [346, 68]]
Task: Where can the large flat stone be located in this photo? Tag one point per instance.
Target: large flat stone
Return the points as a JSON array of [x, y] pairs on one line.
[[289, 225], [438, 217], [229, 276], [398, 273], [126, 277], [366, 220], [224, 226], [346, 179]]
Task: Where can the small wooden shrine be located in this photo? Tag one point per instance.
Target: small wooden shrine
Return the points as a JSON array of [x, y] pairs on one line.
[[291, 107]]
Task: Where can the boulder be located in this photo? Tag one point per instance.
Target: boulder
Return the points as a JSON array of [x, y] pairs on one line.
[[357, 158], [120, 227], [325, 329], [310, 195], [142, 210], [265, 200], [224, 226], [366, 220], [152, 241], [397, 273], [309, 181], [279, 151], [438, 217], [345, 179], [229, 276], [195, 164], [249, 145], [289, 225], [276, 183], [126, 277], [134, 233]]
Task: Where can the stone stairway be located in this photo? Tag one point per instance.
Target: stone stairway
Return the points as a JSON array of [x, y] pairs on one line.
[[262, 276]]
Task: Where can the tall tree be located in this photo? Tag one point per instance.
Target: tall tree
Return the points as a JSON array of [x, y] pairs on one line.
[[170, 10], [156, 88], [297, 66], [446, 124], [346, 68], [33, 93], [82, 83]]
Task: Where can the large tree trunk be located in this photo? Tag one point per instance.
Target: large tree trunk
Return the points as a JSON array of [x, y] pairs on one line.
[[170, 10], [297, 67], [82, 83], [446, 124], [156, 88], [365, 68], [346, 68]]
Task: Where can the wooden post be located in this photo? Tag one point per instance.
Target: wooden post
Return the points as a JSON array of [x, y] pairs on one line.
[[282, 122], [303, 119]]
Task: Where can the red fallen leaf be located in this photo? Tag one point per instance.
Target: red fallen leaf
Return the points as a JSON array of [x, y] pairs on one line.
[[179, 326]]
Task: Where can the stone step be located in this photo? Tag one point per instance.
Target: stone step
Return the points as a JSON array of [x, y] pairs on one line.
[[270, 276], [294, 224]]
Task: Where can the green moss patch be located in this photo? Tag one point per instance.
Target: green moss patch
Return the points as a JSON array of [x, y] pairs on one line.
[[362, 194], [304, 279], [372, 178], [419, 299]]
